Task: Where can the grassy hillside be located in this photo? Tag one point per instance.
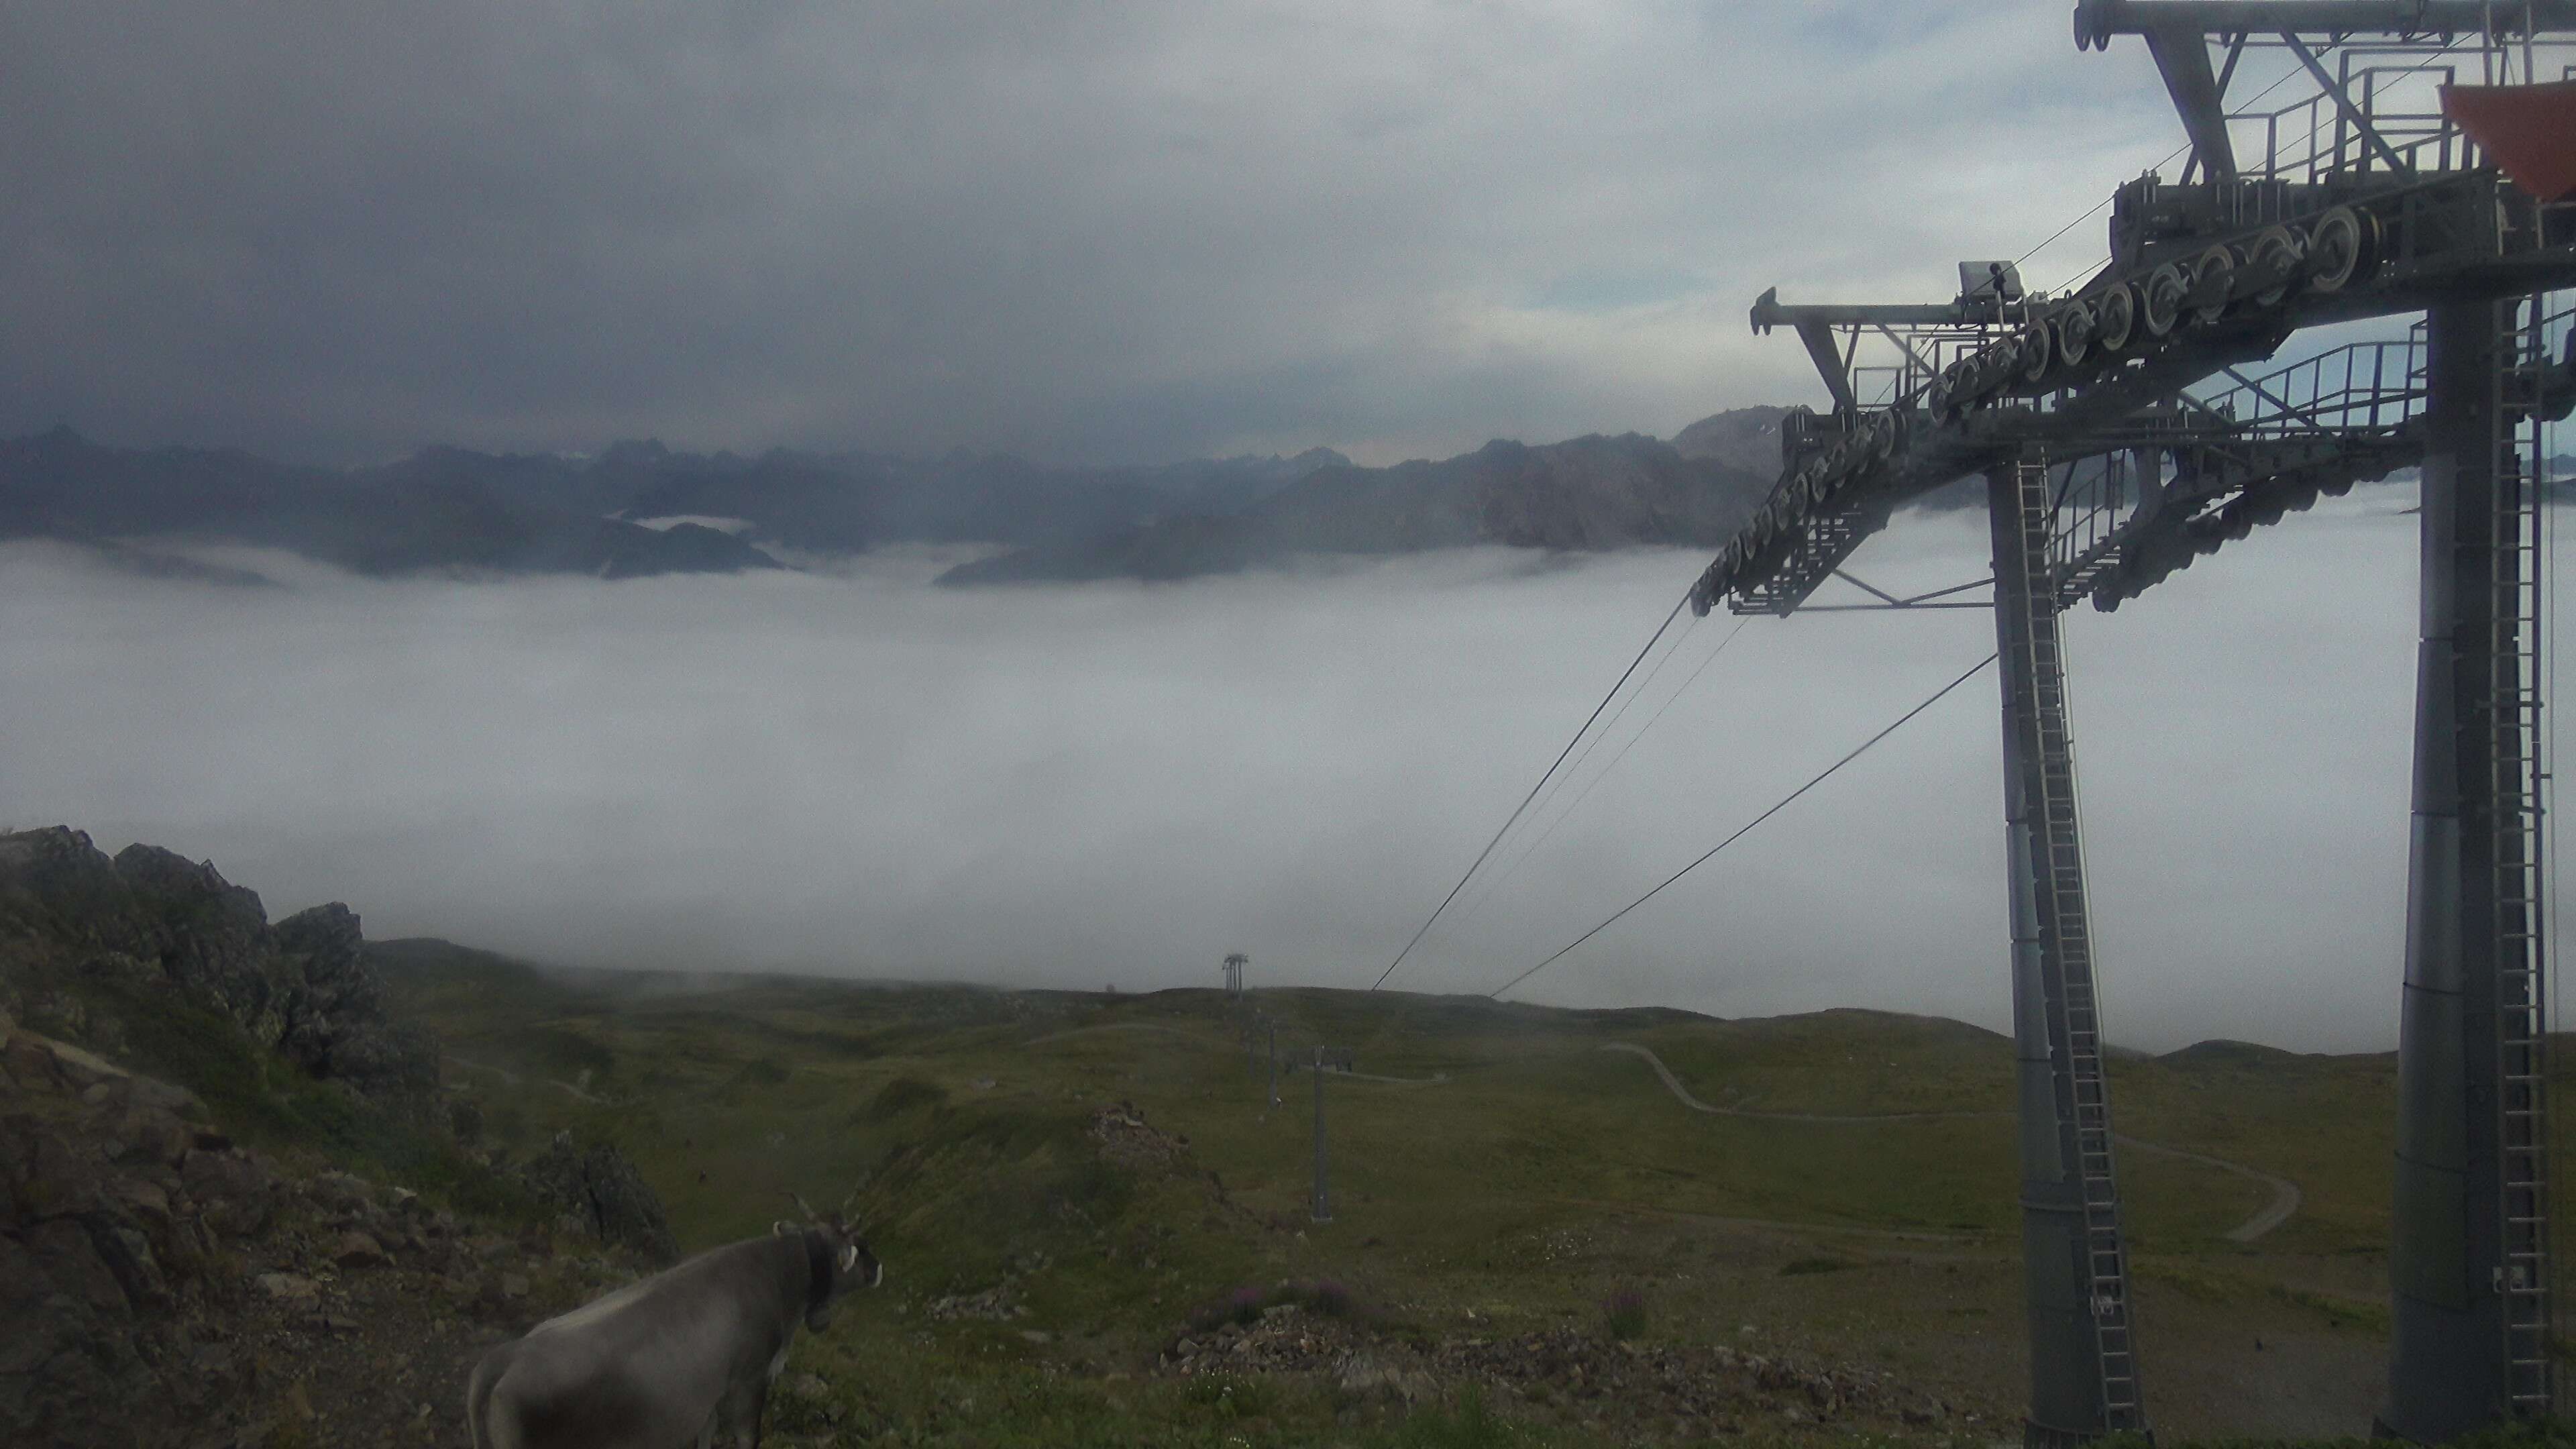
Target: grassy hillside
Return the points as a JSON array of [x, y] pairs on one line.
[[1517, 1177]]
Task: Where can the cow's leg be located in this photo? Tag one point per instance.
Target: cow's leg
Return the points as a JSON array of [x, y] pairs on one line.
[[742, 1410]]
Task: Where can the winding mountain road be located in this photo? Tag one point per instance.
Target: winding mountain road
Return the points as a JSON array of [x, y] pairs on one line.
[[2285, 1193]]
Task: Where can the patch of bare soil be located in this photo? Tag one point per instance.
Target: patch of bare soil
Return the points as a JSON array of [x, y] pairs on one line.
[[1126, 1139]]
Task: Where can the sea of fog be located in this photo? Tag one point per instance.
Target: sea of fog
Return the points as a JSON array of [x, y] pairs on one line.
[[855, 772]]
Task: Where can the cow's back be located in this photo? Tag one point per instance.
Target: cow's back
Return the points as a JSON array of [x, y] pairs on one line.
[[643, 1368]]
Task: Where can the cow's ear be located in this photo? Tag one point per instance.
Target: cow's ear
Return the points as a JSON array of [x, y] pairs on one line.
[[781, 1228]]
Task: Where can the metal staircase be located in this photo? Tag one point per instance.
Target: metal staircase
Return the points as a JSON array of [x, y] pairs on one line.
[[2073, 1017], [2517, 778]]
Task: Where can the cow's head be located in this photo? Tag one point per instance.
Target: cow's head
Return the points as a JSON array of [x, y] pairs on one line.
[[852, 1265]]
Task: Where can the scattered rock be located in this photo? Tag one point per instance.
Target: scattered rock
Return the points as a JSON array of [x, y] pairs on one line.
[[1713, 1387], [288, 1285], [997, 1303], [1126, 1139], [357, 1250]]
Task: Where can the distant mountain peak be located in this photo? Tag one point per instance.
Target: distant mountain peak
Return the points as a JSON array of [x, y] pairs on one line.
[[634, 453], [1747, 438]]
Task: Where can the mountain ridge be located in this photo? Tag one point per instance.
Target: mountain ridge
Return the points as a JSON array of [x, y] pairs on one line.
[[1586, 493], [640, 508]]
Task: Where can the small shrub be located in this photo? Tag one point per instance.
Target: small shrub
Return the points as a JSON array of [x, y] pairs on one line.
[[1804, 1266], [904, 1094], [1623, 1313], [1330, 1298], [761, 1072]]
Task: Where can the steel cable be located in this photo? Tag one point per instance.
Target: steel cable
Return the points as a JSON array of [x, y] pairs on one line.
[[1747, 828], [1595, 783], [1518, 810]]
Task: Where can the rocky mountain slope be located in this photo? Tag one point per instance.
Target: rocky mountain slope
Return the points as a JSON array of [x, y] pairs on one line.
[[454, 509], [1745, 439], [1589, 493], [429, 513], [640, 508], [184, 1259]]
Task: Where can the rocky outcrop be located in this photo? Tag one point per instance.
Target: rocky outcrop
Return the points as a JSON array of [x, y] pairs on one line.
[[160, 1286], [153, 918], [604, 1194], [336, 1026]]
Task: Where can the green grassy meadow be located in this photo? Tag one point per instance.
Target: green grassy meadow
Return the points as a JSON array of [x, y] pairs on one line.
[[1523, 1176]]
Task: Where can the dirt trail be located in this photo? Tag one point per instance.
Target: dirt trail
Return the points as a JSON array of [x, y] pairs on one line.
[[511, 1077], [2285, 1193]]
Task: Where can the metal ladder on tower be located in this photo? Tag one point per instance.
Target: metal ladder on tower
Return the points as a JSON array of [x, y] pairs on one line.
[[2517, 780], [2074, 1019]]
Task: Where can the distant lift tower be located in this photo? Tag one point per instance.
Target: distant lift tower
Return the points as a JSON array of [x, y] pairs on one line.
[[1234, 965], [2425, 162]]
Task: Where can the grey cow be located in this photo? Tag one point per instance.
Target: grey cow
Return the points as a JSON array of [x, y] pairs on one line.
[[651, 1365]]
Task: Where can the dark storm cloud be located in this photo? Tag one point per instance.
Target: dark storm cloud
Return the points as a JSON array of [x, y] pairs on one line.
[[1133, 231]]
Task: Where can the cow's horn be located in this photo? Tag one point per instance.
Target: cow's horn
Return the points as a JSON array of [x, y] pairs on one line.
[[811, 1216]]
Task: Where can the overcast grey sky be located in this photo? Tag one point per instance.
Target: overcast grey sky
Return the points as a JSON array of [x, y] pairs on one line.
[[336, 229], [1072, 786]]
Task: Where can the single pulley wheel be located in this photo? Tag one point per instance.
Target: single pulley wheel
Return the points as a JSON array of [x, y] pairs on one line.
[[2038, 352], [2074, 327], [1832, 480], [2213, 276], [2274, 253], [2160, 300], [2115, 319], [2341, 249], [1996, 362], [1880, 440]]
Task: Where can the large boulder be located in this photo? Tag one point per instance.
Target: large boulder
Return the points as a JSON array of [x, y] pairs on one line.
[[601, 1188], [336, 1025]]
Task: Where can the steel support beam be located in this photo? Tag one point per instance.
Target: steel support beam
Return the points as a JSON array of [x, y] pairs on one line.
[[1321, 1209], [2096, 21], [2454, 1267], [2083, 1374], [2182, 58]]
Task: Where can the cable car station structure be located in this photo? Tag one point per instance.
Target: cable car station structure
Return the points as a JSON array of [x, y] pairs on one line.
[[2121, 433]]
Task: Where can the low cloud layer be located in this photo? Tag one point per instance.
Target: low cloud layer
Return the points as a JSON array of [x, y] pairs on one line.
[[1121, 784], [1125, 233]]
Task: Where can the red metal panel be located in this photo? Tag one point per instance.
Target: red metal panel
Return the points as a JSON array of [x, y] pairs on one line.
[[2528, 131]]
